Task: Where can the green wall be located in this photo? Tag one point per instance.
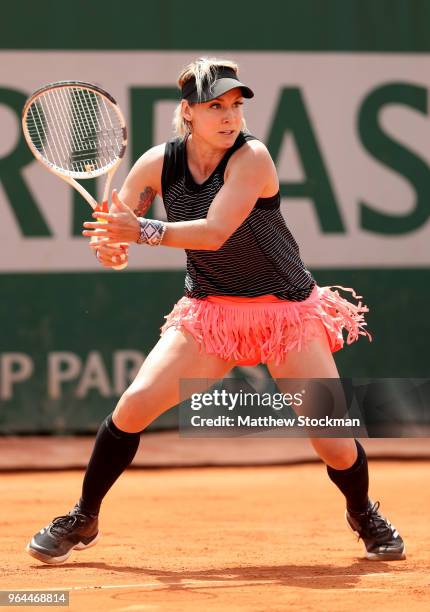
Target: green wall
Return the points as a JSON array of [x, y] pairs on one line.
[[297, 25]]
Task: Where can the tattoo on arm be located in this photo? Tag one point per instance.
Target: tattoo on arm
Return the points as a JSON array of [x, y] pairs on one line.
[[146, 197]]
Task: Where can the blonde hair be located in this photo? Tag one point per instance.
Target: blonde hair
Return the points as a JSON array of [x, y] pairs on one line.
[[203, 70]]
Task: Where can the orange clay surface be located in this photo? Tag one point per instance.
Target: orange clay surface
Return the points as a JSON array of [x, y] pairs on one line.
[[251, 539]]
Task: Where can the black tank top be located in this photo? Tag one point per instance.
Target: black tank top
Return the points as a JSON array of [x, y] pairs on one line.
[[260, 257]]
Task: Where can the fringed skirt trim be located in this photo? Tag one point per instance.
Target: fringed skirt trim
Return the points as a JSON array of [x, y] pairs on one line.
[[263, 329]]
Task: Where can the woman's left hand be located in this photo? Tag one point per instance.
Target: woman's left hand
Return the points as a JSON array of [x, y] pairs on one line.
[[120, 224]]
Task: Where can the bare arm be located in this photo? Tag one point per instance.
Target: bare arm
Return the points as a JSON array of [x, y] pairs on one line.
[[250, 171], [137, 194], [143, 181], [146, 197]]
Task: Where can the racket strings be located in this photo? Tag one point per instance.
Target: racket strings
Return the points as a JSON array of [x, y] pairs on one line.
[[75, 129]]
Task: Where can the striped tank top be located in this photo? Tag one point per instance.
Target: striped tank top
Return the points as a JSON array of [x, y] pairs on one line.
[[261, 256]]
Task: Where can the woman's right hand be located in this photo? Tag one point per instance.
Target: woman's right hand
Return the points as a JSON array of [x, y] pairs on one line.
[[110, 255]]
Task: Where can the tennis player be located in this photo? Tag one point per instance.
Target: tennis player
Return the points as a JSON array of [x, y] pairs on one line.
[[248, 299]]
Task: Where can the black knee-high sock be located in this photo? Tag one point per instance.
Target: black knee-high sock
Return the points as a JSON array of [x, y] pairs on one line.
[[113, 451], [354, 481]]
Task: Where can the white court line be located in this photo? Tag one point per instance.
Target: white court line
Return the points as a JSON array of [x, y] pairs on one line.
[[206, 583]]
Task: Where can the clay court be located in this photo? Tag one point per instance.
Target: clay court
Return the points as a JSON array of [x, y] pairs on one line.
[[223, 538]]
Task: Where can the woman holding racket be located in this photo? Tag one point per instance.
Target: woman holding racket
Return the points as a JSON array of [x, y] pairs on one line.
[[221, 193]]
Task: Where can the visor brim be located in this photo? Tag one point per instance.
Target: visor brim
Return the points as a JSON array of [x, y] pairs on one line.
[[220, 87]]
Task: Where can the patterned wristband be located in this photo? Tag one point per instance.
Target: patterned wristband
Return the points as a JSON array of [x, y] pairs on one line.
[[151, 231]]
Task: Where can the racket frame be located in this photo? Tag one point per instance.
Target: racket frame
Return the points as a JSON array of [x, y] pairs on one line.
[[68, 176]]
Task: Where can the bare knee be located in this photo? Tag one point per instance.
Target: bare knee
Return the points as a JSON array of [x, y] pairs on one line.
[[339, 453], [133, 411]]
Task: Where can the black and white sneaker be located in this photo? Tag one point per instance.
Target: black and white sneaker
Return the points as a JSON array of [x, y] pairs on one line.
[[55, 542], [381, 539]]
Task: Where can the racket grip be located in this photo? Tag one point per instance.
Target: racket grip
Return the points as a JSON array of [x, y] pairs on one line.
[[103, 207]]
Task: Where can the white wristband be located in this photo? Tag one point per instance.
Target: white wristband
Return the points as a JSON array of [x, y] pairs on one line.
[[151, 231]]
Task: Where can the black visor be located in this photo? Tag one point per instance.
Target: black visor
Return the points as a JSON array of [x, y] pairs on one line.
[[225, 80]]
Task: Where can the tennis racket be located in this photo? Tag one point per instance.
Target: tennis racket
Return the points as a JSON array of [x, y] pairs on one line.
[[77, 131]]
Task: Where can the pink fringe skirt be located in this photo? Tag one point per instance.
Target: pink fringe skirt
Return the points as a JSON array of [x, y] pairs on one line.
[[266, 328]]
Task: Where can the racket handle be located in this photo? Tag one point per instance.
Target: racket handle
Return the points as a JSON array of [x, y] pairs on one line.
[[103, 207]]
